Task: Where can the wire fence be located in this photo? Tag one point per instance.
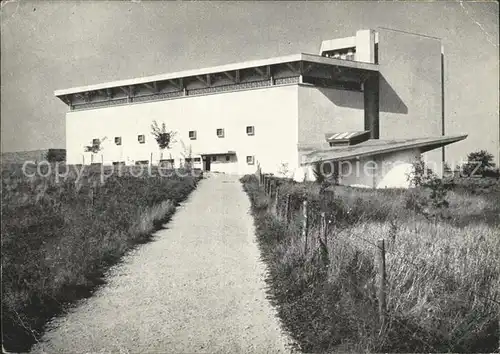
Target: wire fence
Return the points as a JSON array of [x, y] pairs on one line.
[[320, 214]]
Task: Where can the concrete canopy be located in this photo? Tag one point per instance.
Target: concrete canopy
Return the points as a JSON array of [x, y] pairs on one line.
[[373, 147]]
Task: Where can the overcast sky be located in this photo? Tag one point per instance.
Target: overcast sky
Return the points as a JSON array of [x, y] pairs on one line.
[[53, 45]]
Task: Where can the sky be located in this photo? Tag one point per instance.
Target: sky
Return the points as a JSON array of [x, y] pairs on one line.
[[50, 45]]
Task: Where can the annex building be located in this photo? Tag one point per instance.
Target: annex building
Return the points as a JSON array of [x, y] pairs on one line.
[[376, 96]]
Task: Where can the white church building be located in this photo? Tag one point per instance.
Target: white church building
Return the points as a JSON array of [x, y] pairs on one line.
[[374, 97]]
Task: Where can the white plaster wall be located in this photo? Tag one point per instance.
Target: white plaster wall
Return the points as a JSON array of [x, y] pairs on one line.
[[386, 171], [394, 169], [325, 110], [272, 111], [360, 173]]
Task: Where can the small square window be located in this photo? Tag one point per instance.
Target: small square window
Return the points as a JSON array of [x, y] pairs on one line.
[[214, 158], [228, 158], [142, 162], [118, 140], [220, 133], [250, 130], [250, 160], [141, 138], [197, 159], [192, 134], [96, 142], [188, 159]]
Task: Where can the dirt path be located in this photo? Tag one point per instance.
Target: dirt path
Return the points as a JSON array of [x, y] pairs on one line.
[[198, 287]]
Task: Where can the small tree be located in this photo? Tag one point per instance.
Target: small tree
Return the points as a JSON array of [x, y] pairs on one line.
[[478, 163], [318, 173], [447, 169], [433, 204], [283, 170], [94, 148], [420, 173], [163, 137], [187, 154]]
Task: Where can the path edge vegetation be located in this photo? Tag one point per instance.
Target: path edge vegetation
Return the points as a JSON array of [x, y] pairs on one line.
[[324, 309], [57, 256]]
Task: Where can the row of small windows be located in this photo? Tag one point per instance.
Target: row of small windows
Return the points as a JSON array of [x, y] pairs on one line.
[[192, 135], [220, 132], [249, 159]]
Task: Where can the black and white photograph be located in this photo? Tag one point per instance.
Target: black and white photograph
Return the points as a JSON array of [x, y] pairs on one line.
[[250, 177]]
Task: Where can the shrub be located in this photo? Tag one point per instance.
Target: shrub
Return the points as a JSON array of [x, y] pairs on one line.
[[56, 155], [479, 163]]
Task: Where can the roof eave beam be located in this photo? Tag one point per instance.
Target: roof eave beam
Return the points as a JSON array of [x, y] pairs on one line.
[[153, 87], [306, 69], [204, 80], [66, 99], [125, 90], [85, 96], [293, 68], [260, 71], [229, 76], [177, 84]]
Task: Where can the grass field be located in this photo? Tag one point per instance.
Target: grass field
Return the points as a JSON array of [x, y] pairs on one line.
[[60, 234], [443, 273]]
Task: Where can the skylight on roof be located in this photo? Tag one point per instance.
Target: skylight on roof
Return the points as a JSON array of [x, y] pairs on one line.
[[347, 138]]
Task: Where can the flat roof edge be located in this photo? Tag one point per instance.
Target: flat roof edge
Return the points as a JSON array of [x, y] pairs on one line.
[[179, 74], [214, 69]]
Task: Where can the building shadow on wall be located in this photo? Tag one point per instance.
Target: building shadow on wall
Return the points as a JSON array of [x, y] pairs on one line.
[[390, 101], [344, 98]]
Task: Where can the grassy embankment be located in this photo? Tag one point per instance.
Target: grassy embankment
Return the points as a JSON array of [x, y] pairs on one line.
[[57, 240], [443, 274]]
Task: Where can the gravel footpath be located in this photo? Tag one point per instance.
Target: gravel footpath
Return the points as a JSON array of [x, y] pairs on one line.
[[197, 288]]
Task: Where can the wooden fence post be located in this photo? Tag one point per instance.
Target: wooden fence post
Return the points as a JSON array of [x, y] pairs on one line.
[[304, 224], [382, 282], [323, 228], [276, 203], [92, 193], [287, 209]]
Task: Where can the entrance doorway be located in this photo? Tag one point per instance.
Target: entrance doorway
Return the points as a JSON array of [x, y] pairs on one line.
[[206, 162]]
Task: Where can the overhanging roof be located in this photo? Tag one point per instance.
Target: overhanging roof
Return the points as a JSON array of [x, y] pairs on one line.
[[311, 58], [374, 147]]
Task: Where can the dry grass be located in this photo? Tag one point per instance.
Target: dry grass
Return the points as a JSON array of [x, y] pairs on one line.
[[57, 240], [443, 273]]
